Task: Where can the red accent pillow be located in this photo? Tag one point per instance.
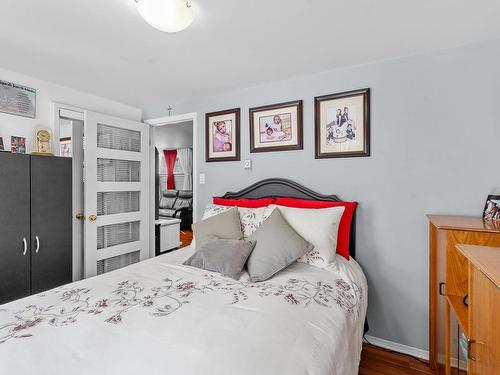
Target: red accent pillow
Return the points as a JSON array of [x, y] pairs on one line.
[[345, 221], [247, 203]]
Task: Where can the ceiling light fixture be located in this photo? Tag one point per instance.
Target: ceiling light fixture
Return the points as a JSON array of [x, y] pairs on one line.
[[169, 16]]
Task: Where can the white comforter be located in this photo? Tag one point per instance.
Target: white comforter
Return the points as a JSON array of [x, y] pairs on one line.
[[160, 317]]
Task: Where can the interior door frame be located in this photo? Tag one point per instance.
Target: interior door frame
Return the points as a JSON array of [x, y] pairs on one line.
[[168, 120], [76, 114], [54, 123]]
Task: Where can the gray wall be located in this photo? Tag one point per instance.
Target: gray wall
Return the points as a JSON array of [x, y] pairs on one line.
[[435, 149]]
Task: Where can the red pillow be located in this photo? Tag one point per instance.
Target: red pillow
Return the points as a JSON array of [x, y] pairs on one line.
[[345, 221], [247, 203]]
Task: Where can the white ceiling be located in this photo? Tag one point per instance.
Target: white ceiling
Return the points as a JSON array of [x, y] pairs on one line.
[[105, 48]]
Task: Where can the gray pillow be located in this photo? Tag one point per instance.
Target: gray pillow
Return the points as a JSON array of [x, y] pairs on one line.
[[227, 257], [278, 246], [225, 225]]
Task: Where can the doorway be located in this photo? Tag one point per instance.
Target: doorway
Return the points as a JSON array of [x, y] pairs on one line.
[[173, 173], [69, 129]]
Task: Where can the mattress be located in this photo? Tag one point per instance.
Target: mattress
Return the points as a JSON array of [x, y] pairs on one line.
[[161, 317]]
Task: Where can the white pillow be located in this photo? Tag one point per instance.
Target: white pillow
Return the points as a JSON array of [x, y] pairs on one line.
[[214, 209], [319, 226], [250, 218]]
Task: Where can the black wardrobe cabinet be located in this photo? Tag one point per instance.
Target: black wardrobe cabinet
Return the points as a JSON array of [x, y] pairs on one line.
[[35, 224]]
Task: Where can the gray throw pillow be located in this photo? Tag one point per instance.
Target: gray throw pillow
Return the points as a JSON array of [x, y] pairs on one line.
[[225, 225], [278, 246], [228, 257]]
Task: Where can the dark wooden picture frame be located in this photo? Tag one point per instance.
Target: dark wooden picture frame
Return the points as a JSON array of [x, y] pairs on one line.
[[235, 140], [318, 121], [299, 144]]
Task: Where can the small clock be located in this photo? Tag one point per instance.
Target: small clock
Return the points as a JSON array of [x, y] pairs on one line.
[[42, 144]]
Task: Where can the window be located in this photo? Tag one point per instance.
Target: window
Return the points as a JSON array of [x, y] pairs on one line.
[[178, 167]]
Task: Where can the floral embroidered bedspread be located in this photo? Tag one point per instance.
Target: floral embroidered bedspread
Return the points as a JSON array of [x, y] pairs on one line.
[[160, 317]]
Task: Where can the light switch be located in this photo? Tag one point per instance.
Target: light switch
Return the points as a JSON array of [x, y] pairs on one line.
[[202, 179], [247, 164]]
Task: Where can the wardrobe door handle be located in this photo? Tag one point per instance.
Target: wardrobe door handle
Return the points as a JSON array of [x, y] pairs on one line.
[[25, 246], [469, 347], [441, 288], [37, 248]]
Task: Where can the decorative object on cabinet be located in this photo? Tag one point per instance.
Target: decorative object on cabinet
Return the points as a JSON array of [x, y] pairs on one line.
[[42, 142], [2, 148], [35, 224], [445, 287], [18, 145], [276, 127], [342, 124], [17, 99], [222, 135], [492, 208]]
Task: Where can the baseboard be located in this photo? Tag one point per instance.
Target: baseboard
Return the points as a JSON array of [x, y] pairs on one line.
[[400, 348]]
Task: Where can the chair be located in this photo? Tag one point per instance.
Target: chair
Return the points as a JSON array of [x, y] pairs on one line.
[[177, 204]]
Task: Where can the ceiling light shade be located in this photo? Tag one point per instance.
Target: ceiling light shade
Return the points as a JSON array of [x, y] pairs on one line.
[[169, 16]]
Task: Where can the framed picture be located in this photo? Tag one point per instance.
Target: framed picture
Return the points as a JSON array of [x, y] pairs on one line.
[[18, 145], [276, 127], [222, 135], [342, 124], [65, 147], [492, 208], [17, 99]]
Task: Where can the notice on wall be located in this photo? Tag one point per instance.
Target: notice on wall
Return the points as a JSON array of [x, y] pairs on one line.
[[17, 99]]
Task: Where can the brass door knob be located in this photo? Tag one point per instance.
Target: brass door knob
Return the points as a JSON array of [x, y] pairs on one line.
[[92, 218], [79, 216]]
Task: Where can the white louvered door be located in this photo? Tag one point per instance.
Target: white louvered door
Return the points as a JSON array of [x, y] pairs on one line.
[[116, 193]]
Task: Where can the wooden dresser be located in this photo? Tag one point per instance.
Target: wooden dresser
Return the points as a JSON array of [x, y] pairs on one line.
[[483, 313], [448, 281]]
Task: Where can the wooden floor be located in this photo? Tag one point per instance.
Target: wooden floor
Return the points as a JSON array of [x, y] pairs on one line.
[[186, 237], [377, 361]]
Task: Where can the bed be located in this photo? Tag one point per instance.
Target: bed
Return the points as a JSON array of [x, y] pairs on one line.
[[161, 317]]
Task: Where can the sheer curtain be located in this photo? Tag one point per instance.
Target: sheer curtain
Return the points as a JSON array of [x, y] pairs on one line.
[[186, 159]]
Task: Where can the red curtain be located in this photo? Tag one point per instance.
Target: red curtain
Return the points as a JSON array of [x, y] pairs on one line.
[[170, 157]]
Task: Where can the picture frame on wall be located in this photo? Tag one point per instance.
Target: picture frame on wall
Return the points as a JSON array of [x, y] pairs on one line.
[[342, 124], [491, 210], [276, 127], [18, 100], [222, 135]]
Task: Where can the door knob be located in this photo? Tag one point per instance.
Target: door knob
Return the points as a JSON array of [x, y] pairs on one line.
[[79, 216], [92, 218]]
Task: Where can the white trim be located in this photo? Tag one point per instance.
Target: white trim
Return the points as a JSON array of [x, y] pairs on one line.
[[410, 350], [400, 348], [193, 117], [172, 119], [54, 122]]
